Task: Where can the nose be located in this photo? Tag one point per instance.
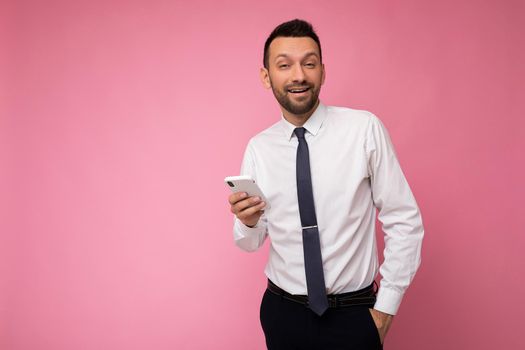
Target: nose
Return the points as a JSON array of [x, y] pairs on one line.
[[297, 73]]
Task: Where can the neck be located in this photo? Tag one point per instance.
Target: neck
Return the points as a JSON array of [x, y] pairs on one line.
[[299, 119]]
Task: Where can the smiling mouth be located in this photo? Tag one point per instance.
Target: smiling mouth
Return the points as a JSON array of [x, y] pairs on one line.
[[298, 90]]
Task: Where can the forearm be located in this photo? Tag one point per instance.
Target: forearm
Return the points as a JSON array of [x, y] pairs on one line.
[[402, 255], [249, 238]]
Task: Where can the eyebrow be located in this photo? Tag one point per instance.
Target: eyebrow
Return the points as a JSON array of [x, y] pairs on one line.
[[308, 54]]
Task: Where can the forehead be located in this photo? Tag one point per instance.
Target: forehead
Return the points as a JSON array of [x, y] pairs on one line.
[[292, 47]]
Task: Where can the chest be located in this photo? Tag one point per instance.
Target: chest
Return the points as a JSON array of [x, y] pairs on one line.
[[338, 165]]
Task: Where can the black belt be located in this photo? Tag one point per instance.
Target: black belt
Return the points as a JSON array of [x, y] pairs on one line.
[[365, 296]]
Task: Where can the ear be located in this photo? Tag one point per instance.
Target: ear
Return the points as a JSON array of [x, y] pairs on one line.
[[265, 77], [322, 74]]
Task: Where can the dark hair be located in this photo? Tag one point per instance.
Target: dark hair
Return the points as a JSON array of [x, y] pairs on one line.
[[294, 28]]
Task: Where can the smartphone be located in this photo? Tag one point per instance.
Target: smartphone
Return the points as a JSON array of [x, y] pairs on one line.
[[245, 183]]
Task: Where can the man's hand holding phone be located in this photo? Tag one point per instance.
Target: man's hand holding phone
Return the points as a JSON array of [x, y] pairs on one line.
[[247, 209]]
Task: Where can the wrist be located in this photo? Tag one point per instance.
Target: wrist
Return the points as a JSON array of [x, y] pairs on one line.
[[382, 319], [249, 224]]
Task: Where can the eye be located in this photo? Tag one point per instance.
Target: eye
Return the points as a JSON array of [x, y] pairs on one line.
[[310, 65], [283, 65]]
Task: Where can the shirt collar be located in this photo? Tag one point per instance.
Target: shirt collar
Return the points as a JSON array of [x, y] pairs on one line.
[[312, 125]]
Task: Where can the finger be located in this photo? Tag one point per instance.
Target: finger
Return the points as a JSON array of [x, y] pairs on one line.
[[237, 196], [251, 213], [245, 203], [253, 210]]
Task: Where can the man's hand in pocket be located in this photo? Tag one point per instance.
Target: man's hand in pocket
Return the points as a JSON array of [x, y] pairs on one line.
[[382, 321]]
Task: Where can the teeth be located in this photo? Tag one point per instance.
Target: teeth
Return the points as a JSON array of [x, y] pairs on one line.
[[298, 90]]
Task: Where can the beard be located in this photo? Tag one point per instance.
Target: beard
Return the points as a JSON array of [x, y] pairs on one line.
[[293, 106]]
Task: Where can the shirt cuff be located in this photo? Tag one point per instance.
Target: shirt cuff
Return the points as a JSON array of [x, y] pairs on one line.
[[241, 230], [388, 300]]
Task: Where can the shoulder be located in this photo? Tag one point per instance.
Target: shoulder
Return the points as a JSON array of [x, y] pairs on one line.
[[356, 119], [267, 136]]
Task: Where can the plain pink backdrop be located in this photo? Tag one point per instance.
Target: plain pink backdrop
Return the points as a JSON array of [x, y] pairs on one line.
[[120, 119]]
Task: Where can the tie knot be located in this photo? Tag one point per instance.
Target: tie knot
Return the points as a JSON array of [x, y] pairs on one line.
[[299, 132]]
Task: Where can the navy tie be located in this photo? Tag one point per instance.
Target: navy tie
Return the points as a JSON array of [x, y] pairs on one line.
[[313, 262]]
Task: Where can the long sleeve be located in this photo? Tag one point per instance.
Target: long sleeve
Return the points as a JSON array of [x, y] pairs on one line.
[[399, 215], [249, 238]]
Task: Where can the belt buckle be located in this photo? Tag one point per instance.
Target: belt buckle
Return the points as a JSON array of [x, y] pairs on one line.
[[333, 301]]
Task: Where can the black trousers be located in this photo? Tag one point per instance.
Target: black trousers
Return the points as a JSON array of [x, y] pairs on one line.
[[288, 325]]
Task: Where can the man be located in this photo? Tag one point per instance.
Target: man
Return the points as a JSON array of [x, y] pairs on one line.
[[324, 170]]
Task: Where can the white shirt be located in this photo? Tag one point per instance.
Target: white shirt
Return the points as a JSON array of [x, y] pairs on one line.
[[354, 170]]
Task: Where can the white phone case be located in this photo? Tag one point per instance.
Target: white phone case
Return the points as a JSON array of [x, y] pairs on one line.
[[245, 183]]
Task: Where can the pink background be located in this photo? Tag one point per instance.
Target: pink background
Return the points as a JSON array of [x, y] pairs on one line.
[[120, 119]]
